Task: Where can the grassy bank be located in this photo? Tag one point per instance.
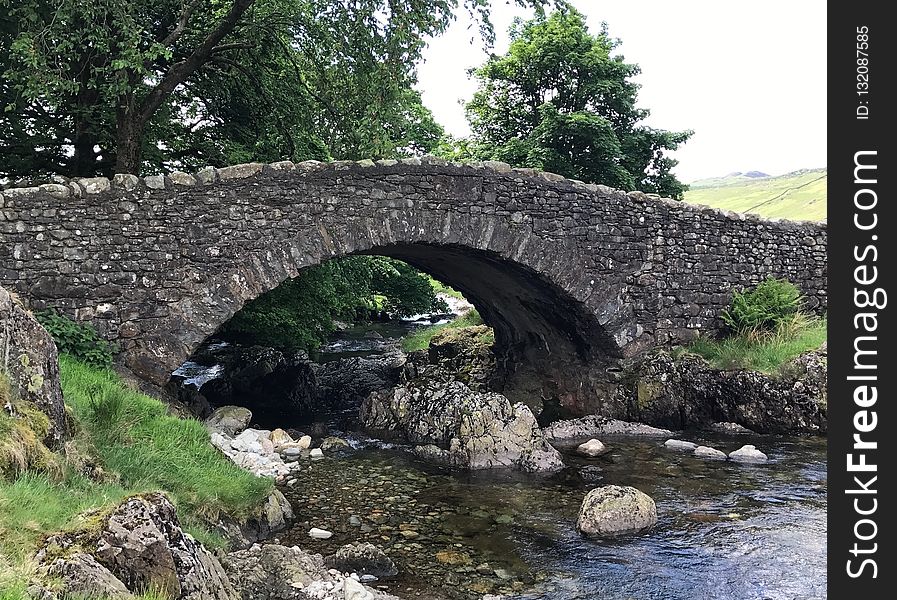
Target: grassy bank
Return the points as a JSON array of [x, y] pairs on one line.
[[763, 351], [138, 447], [420, 339]]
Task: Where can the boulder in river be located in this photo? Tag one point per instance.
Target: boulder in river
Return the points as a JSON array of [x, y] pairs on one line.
[[364, 559], [594, 425], [709, 453], [591, 448], [451, 424], [346, 382], [613, 510], [680, 445], [748, 454]]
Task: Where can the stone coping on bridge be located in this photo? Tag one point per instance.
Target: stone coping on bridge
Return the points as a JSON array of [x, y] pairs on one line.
[[63, 187]]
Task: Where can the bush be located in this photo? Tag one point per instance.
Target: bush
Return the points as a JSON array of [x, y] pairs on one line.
[[764, 308], [77, 339]]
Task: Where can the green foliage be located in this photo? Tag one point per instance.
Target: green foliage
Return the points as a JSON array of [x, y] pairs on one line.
[[560, 100], [765, 307], [125, 85], [767, 352], [135, 437], [800, 196], [77, 339], [419, 339], [299, 314]]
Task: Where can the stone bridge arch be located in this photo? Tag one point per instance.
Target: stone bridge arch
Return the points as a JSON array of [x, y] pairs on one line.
[[572, 276]]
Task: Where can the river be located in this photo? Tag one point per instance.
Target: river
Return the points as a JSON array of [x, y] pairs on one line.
[[725, 531]]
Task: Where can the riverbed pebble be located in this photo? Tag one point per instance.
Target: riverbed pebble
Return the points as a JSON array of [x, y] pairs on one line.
[[680, 445], [748, 454], [319, 534], [316, 453], [709, 453], [591, 448]]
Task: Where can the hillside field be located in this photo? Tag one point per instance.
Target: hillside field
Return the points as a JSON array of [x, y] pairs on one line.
[[799, 196]]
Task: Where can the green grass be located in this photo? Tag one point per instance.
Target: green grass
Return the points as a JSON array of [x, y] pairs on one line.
[[763, 351], [135, 437], [141, 448], [799, 196], [420, 339]]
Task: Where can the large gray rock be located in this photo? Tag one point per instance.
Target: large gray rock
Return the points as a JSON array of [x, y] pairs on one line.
[[364, 559], [144, 546], [80, 575], [451, 424], [346, 382], [594, 425], [140, 544], [748, 454], [28, 355], [273, 572], [613, 510], [273, 516], [688, 392], [229, 420]]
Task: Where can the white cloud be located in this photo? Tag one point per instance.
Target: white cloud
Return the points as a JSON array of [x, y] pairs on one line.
[[748, 78]]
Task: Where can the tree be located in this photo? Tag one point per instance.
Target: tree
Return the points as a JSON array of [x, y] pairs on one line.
[[117, 85], [299, 314], [560, 100]]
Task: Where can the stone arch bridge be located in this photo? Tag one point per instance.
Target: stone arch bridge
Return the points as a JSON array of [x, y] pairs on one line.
[[572, 276]]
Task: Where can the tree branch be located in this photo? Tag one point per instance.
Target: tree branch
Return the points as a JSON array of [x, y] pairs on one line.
[[180, 71], [181, 25]]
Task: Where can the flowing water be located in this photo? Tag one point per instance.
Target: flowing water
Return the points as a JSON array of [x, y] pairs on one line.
[[725, 531]]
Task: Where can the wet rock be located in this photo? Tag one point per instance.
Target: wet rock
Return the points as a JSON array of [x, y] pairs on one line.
[[229, 420], [594, 425], [346, 382], [680, 445], [30, 360], [748, 454], [730, 429], [364, 559], [319, 534], [611, 510], [273, 516], [591, 448], [451, 557], [591, 473], [333, 444], [709, 453], [316, 453], [274, 572], [448, 423], [80, 575], [466, 353], [687, 391]]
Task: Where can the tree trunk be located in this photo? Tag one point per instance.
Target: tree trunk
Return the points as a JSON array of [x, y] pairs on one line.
[[128, 139]]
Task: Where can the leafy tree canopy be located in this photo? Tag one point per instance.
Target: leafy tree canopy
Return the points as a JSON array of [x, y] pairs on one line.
[[299, 314], [561, 100], [131, 85]]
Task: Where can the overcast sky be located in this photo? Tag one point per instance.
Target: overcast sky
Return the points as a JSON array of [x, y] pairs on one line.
[[748, 78]]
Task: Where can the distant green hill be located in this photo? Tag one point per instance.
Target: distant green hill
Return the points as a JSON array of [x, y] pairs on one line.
[[800, 196]]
